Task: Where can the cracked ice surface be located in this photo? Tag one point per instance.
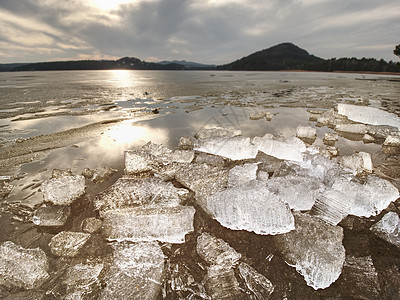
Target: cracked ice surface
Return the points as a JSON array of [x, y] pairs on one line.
[[138, 224], [388, 228], [63, 190], [127, 192], [235, 148], [315, 249], [136, 272], [368, 115], [22, 268], [252, 208]]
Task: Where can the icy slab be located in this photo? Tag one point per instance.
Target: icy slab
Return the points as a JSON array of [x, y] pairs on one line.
[[138, 162], [136, 272], [306, 133], [91, 225], [330, 138], [182, 156], [128, 192], [83, 279], [256, 283], [241, 175], [358, 162], [361, 278], [164, 224], [51, 216], [299, 192], [392, 140], [99, 174], [257, 115], [388, 228], [252, 208], [352, 128], [372, 197], [315, 249], [185, 143], [332, 206], [163, 155], [216, 251], [203, 179], [63, 190], [22, 268], [221, 284], [236, 148], [68, 243], [216, 132], [368, 115], [156, 150], [291, 149]]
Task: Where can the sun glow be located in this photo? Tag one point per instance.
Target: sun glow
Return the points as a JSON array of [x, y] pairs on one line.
[[108, 4]]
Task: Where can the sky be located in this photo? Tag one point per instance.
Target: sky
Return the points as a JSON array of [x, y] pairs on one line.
[[205, 31]]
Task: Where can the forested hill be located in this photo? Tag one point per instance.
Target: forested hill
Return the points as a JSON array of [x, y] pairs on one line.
[[288, 56]]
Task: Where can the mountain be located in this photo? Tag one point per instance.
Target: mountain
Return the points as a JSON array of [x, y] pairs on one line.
[[190, 65], [286, 56]]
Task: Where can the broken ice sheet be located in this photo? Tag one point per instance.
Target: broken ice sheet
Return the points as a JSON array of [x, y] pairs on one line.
[[216, 132], [236, 148], [315, 249], [243, 174], [63, 189], [22, 268], [388, 228], [299, 192], [306, 133], [68, 243], [252, 208], [368, 115], [136, 272], [164, 224], [290, 149], [216, 251], [128, 192]]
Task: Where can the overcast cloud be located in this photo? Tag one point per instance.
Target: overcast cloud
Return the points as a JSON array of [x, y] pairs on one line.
[[213, 31]]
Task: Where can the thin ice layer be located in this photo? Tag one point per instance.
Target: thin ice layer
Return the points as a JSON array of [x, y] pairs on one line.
[[252, 208], [235, 148], [368, 115], [164, 224], [315, 249], [136, 272], [128, 192], [63, 190]]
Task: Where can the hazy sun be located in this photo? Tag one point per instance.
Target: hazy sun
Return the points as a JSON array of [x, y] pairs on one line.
[[108, 4]]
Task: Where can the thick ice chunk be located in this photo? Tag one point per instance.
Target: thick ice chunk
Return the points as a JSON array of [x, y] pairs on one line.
[[392, 141], [306, 133], [368, 115], [68, 243], [359, 162], [299, 192], [135, 273], [138, 162], [209, 159], [185, 143], [332, 206], [216, 251], [330, 138], [128, 192], [388, 228], [352, 128], [237, 148], [182, 156], [315, 249], [243, 174], [51, 216], [291, 149], [83, 279], [203, 179], [63, 190], [91, 225], [221, 283], [22, 268], [216, 132], [257, 115], [164, 155], [99, 174], [252, 208], [164, 224], [256, 283]]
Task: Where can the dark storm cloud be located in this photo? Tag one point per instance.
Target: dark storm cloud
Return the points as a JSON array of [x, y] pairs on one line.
[[214, 31]]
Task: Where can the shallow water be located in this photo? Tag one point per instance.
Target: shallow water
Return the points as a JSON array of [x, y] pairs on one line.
[[36, 105]]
